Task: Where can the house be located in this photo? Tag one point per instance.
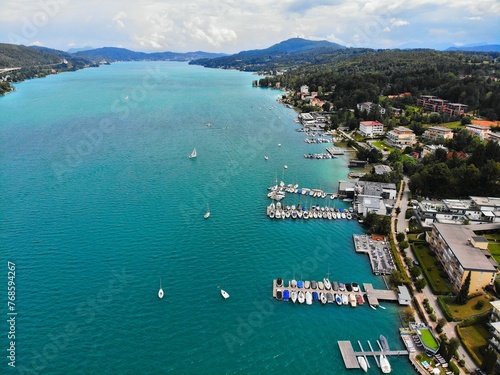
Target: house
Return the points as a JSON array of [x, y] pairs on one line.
[[437, 133], [304, 89], [494, 328], [370, 107], [381, 169], [401, 137], [480, 131], [494, 137], [459, 255], [371, 128]]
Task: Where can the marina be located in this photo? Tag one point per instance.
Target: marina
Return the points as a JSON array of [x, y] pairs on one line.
[[345, 291], [350, 357]]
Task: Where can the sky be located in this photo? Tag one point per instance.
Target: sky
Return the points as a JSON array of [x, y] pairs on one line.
[[230, 26]]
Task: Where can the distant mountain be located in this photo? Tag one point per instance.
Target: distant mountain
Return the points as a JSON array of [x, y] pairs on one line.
[[481, 48], [76, 61], [291, 51], [12, 55], [111, 54], [75, 50]]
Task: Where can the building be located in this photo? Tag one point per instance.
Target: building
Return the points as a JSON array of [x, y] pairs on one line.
[[494, 328], [370, 107], [404, 297], [457, 250], [381, 169], [401, 137], [437, 133], [304, 89], [494, 137], [368, 196], [480, 131], [371, 128], [431, 149], [435, 104]]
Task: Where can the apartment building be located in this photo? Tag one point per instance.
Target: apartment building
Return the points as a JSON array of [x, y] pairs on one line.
[[401, 137], [460, 251], [494, 328], [437, 133], [371, 128]]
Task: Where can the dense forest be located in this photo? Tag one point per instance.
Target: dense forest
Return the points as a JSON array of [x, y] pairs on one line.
[[463, 77]]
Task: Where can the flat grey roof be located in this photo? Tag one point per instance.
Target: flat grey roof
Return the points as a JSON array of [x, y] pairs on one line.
[[404, 293], [457, 237]]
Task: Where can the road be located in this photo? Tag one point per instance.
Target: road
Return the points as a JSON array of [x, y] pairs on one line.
[[449, 328]]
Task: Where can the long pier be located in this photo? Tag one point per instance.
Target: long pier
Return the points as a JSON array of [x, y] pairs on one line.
[[370, 294], [349, 355]]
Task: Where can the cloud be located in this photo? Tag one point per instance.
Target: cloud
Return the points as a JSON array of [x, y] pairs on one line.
[[397, 23], [475, 18], [119, 24]]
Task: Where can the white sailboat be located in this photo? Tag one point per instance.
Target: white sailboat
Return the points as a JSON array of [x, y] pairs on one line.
[[385, 365], [193, 154], [207, 214], [224, 293], [160, 292]]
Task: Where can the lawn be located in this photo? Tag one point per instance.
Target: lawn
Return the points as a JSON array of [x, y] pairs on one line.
[[460, 312], [428, 339], [429, 268], [494, 248], [474, 338], [382, 146], [450, 125]]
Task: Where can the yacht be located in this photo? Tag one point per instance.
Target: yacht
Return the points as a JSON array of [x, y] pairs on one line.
[[293, 296], [355, 287], [385, 365], [160, 292], [224, 294], [327, 284], [345, 299], [362, 363], [338, 299], [309, 298], [352, 300], [301, 297]]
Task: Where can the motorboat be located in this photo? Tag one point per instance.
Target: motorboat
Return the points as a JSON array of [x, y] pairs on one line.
[[315, 296], [308, 298], [384, 343], [279, 282], [323, 298], [224, 294], [335, 285], [321, 286], [286, 295], [359, 299], [207, 214], [342, 287], [294, 214], [362, 363], [373, 307], [345, 299], [307, 284], [279, 294], [300, 284], [348, 287], [266, 158], [294, 296], [385, 365], [355, 287], [301, 297], [193, 154], [329, 297], [293, 283], [327, 284], [338, 299], [352, 300], [314, 285], [160, 292]]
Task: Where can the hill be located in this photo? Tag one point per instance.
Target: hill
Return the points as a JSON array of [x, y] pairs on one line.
[[290, 52], [12, 56], [482, 48], [111, 54]]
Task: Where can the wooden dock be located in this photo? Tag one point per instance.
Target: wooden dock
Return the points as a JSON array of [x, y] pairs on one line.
[[349, 355], [370, 295]]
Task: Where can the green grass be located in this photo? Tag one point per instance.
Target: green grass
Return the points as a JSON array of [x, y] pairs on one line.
[[429, 268], [474, 338], [382, 146], [450, 125], [494, 249], [460, 312], [428, 339]]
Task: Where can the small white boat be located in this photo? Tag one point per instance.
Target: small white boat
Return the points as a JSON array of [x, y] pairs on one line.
[[362, 363], [266, 158], [224, 294], [382, 307], [309, 298], [385, 366], [160, 292], [294, 296], [301, 297], [207, 214], [193, 155], [373, 307], [323, 298], [285, 166], [352, 300], [321, 286], [279, 144], [327, 284], [345, 299]]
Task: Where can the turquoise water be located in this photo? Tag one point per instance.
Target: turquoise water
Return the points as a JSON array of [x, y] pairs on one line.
[[99, 201]]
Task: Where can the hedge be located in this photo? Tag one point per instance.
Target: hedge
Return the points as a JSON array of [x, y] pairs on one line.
[[445, 309], [454, 368], [476, 319]]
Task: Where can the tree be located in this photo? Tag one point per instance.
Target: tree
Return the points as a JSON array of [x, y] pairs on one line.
[[415, 272], [465, 120], [403, 245], [408, 315], [420, 284], [489, 361], [400, 236], [440, 324], [463, 294], [451, 348]]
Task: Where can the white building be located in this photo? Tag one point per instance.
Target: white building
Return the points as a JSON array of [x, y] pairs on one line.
[[371, 128], [401, 137]]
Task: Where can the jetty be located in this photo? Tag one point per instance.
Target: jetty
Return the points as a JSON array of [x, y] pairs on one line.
[[335, 151], [368, 293], [349, 355], [378, 252]]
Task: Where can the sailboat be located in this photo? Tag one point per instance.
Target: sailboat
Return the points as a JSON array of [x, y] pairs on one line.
[[224, 293], [207, 214], [385, 365], [362, 363], [193, 154], [160, 292]]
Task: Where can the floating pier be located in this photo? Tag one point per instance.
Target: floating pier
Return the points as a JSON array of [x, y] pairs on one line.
[[370, 295], [349, 355]]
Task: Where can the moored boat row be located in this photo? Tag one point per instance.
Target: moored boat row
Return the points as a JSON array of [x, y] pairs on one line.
[[279, 211]]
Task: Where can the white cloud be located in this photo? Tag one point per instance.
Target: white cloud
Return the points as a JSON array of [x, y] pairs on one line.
[[475, 18], [119, 24], [397, 23]]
